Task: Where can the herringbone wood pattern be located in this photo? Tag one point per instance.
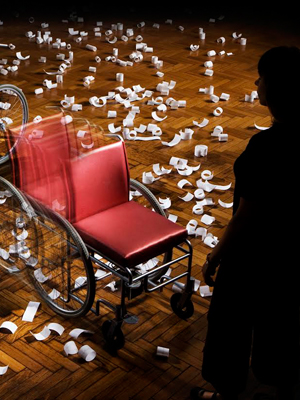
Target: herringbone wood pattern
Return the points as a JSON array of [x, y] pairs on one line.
[[40, 370]]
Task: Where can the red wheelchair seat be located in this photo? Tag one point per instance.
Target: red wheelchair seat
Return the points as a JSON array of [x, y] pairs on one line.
[[130, 233]]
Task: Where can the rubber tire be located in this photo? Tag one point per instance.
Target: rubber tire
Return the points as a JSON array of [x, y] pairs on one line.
[[115, 339], [25, 113], [184, 313]]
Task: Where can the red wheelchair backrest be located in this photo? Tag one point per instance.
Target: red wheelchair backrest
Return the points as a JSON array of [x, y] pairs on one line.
[[100, 180], [47, 166]]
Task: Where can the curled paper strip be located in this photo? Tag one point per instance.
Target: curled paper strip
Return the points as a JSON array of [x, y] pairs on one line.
[[186, 134], [183, 182], [162, 351], [209, 72], [208, 64], [211, 53], [202, 124], [30, 311], [206, 174], [160, 171], [172, 217], [194, 47], [217, 130], [198, 209], [218, 111], [210, 240], [191, 227], [165, 203], [8, 326], [208, 187], [40, 277], [20, 57], [206, 202], [261, 128], [199, 194], [174, 141], [225, 205], [250, 98], [205, 291], [21, 236], [56, 328], [225, 96], [77, 331], [201, 150], [3, 253], [156, 117], [187, 197], [207, 219], [236, 36], [3, 370], [91, 47], [178, 162], [70, 348], [112, 286], [214, 98], [221, 39], [87, 353], [54, 294], [44, 334]]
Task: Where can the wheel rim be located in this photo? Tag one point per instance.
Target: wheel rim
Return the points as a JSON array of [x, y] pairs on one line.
[[13, 114]]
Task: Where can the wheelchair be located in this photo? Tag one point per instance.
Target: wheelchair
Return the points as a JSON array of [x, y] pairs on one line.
[[73, 219]]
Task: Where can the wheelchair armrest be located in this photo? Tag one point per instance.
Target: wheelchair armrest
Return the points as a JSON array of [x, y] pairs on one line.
[[149, 196]]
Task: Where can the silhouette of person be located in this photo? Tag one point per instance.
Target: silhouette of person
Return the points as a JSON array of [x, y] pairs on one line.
[[253, 319]]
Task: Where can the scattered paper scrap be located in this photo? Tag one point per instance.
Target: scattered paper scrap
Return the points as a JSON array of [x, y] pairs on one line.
[[77, 331], [3, 370], [30, 311], [225, 205], [87, 353], [56, 328], [162, 351], [70, 348], [8, 326], [205, 291], [44, 334]]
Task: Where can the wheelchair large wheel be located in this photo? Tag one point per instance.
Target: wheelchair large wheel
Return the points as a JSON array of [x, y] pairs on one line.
[[64, 275], [48, 249], [149, 200], [13, 113]]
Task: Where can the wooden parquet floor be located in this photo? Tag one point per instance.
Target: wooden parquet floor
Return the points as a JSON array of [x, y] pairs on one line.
[[40, 369]]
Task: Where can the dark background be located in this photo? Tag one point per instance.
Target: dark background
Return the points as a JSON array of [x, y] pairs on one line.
[[284, 15]]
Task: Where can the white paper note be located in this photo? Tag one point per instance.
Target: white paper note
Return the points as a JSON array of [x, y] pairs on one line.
[[30, 311], [77, 331], [8, 325], [70, 348], [87, 353], [44, 334]]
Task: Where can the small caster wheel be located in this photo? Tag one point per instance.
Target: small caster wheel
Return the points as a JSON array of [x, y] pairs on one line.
[[183, 312], [113, 334]]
